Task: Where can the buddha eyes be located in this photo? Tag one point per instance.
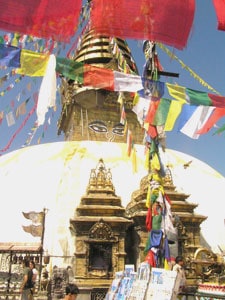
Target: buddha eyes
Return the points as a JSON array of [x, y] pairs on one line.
[[98, 126], [118, 129], [101, 127]]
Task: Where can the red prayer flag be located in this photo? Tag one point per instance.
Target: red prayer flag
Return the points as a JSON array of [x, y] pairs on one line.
[[129, 142], [41, 18], [148, 220], [152, 131], [163, 21], [98, 77], [219, 6], [217, 100], [214, 117], [151, 112], [150, 258]]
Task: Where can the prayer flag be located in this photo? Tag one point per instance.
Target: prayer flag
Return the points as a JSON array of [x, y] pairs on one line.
[[33, 63], [47, 94], [165, 21], [9, 56], [173, 113], [219, 6], [162, 112], [214, 117], [153, 88], [127, 82], [194, 97], [197, 120], [129, 142], [21, 110], [151, 112], [10, 118], [70, 69], [45, 18], [134, 160], [98, 77], [185, 114], [141, 108]]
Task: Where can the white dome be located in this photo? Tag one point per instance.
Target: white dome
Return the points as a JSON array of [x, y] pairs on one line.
[[55, 176]]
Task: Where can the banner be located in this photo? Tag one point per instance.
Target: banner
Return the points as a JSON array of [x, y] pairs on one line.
[[35, 217], [35, 230]]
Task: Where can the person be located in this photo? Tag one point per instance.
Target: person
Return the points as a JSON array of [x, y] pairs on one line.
[[71, 292], [26, 288], [179, 268], [34, 275]]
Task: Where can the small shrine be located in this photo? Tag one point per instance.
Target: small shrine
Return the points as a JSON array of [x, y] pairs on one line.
[[99, 225], [201, 262]]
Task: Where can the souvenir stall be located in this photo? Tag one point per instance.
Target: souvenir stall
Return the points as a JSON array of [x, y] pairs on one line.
[[12, 256]]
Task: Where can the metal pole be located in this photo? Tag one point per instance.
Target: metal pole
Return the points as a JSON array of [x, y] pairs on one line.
[[42, 247]]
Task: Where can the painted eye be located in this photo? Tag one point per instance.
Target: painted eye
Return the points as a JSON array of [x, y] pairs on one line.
[[98, 126], [118, 129]]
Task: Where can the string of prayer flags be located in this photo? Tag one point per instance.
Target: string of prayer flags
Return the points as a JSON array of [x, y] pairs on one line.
[[184, 66], [97, 77], [194, 97], [11, 85], [21, 126]]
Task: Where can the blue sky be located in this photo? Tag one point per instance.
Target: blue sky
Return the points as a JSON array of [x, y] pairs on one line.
[[204, 54]]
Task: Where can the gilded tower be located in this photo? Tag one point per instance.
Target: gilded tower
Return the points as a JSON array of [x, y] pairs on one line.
[[94, 114]]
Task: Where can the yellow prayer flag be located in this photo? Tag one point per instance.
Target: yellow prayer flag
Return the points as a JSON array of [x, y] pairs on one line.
[[177, 92], [134, 160], [32, 63], [136, 98], [155, 164], [148, 198], [167, 265], [174, 112], [120, 99], [147, 159]]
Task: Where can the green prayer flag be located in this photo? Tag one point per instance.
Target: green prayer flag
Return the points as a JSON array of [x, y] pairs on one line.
[[197, 98], [162, 112], [70, 69]]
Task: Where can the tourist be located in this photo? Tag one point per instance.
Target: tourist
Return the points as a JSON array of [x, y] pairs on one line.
[[26, 288], [179, 267], [35, 274], [71, 292]]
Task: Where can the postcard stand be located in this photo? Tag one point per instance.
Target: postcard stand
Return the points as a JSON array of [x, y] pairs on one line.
[[145, 284], [163, 284]]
